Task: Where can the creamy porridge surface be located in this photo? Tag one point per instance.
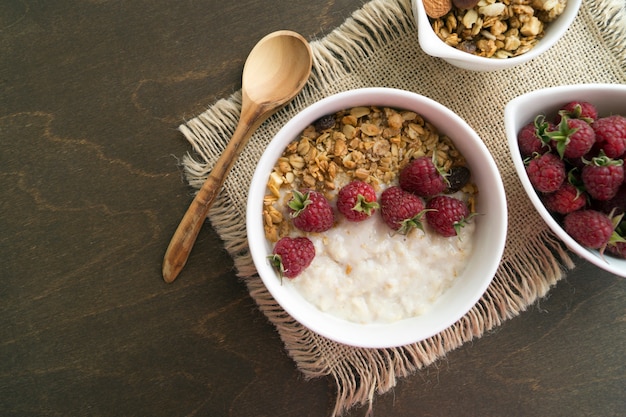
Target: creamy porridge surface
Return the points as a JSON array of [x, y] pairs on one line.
[[364, 273]]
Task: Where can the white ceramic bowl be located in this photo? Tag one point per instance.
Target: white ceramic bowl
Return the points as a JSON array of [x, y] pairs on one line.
[[467, 289], [609, 99], [432, 45]]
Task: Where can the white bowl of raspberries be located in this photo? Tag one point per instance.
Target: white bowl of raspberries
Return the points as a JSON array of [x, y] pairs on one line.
[[376, 217], [568, 144]]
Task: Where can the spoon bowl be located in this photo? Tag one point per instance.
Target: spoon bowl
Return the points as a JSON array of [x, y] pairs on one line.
[[276, 70]]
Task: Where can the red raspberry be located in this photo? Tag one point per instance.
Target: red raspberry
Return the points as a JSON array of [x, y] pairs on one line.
[[291, 256], [617, 244], [357, 201], [546, 172], [573, 138], [590, 228], [422, 177], [446, 215], [616, 205], [310, 211], [529, 141], [617, 249], [602, 177], [611, 135], [401, 210], [566, 199], [579, 110]]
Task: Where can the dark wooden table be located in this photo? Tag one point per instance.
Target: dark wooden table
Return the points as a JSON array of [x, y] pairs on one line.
[[91, 95]]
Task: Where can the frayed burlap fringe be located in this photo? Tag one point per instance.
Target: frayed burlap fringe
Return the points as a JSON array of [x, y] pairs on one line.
[[611, 24], [378, 46]]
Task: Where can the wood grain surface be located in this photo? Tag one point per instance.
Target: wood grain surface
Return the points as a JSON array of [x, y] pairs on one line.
[[91, 95]]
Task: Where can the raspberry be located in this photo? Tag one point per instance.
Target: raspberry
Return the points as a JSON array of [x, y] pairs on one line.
[[602, 177], [422, 177], [401, 210], [291, 256], [616, 205], [566, 199], [617, 249], [529, 141], [590, 228], [310, 211], [611, 135], [546, 172], [573, 138], [578, 110], [617, 244], [357, 201], [446, 215]]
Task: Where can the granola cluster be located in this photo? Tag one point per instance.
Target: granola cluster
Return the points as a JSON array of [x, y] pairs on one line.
[[368, 143], [497, 28]]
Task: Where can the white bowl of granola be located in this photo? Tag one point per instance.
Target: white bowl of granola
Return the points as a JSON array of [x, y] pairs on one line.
[[608, 100], [491, 35], [368, 285]]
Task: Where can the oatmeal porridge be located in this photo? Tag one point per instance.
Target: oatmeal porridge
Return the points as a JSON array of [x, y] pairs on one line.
[[363, 271]]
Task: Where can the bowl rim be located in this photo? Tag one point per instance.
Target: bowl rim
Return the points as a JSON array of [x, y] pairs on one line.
[[349, 333], [432, 45], [550, 97]]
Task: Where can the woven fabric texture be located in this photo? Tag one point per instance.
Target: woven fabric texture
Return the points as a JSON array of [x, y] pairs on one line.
[[378, 47]]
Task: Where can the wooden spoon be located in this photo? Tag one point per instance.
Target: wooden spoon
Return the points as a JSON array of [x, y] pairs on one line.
[[276, 70]]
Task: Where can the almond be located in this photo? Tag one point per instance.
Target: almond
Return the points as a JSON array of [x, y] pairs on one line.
[[437, 8], [465, 4]]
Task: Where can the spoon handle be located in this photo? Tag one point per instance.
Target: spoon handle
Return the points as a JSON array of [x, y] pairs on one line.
[[185, 236]]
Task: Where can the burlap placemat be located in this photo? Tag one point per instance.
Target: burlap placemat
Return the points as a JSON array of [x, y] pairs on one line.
[[378, 46]]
